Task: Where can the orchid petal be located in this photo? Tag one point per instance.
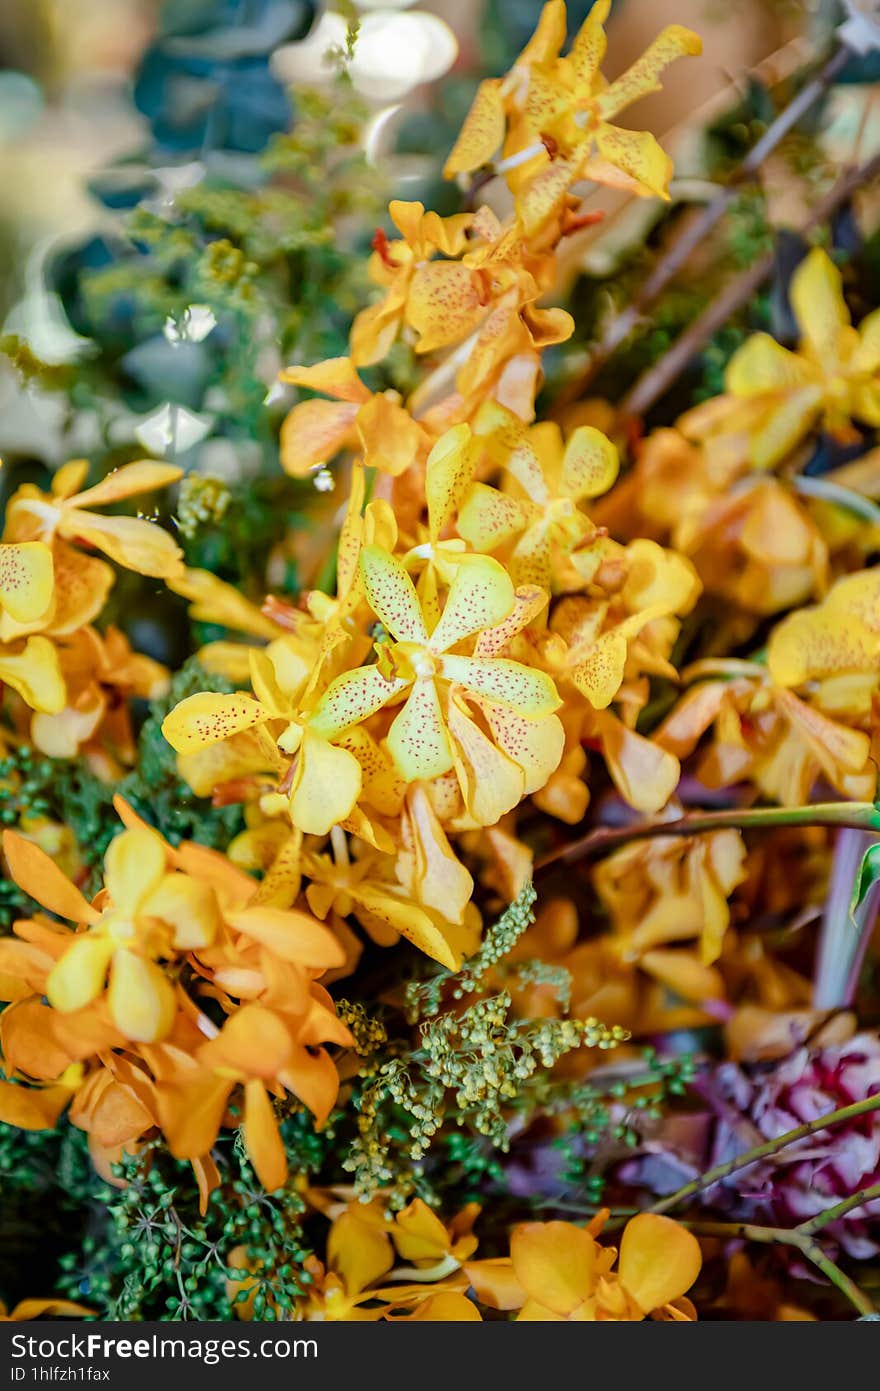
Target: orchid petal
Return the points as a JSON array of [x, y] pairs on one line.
[[26, 580], [525, 689], [417, 740], [391, 595], [208, 718], [481, 595], [481, 134]]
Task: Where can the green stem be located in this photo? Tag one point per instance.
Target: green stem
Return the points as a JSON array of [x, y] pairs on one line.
[[860, 815], [742, 1161], [831, 1214], [801, 1241]]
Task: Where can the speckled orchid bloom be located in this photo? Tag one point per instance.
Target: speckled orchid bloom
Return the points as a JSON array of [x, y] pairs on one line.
[[433, 733], [551, 117]]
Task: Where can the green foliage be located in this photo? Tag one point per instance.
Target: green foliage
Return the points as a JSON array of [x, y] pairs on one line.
[[154, 788]]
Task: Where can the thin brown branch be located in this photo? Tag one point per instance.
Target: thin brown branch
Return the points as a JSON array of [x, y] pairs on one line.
[[656, 381], [697, 228]]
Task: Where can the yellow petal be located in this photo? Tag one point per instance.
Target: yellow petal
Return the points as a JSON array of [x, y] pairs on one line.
[[143, 476], [334, 377], [489, 518], [313, 433], [600, 674], [535, 745], [524, 689], [32, 1108], [26, 580], [391, 595], [134, 865], [639, 156], [495, 1284], [446, 1306], [816, 295], [359, 1251], [448, 473], [588, 48], [192, 1114], [187, 906], [39, 876], [132, 542], [555, 1263], [326, 785], [643, 75], [482, 132], [645, 773], [442, 882], [409, 921], [659, 1260], [589, 464], [659, 579], [491, 782], [353, 697], [417, 740], [762, 365], [480, 596], [36, 674], [208, 718], [866, 357], [389, 437], [549, 35], [418, 1233], [141, 998], [78, 977], [445, 304], [289, 933]]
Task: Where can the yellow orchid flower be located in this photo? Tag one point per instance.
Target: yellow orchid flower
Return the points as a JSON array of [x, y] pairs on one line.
[[417, 286], [553, 115], [433, 733], [264, 1048], [767, 734], [100, 674], [145, 913], [536, 519], [374, 424], [67, 513], [668, 890], [434, 1248], [324, 779], [777, 397], [365, 888], [558, 1272]]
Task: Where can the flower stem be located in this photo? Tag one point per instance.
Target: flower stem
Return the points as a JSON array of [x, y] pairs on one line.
[[860, 815], [844, 934], [798, 1238], [742, 1161], [831, 1214]]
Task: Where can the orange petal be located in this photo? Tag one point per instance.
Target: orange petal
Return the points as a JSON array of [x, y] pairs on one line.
[[39, 876], [659, 1260], [555, 1263], [261, 1138]]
